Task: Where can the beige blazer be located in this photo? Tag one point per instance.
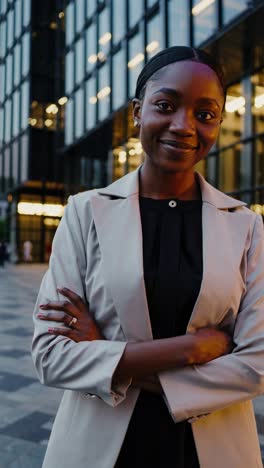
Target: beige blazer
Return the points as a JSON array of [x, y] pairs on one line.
[[97, 252]]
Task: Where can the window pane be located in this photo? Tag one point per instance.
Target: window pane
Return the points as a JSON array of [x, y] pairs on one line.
[[26, 16], [17, 64], [7, 167], [259, 162], [150, 3], [25, 105], [7, 120], [24, 158], [91, 101], [90, 7], [104, 34], [232, 126], [2, 39], [69, 23], [104, 92], [16, 113], [154, 35], [10, 28], [25, 54], [69, 122], [15, 154], [229, 169], [258, 101], [69, 83], [233, 8], [135, 11], [80, 15], [178, 30], [1, 127], [2, 81], [91, 48], [18, 18], [79, 60], [204, 20], [119, 23], [136, 61], [3, 6], [119, 79], [79, 113], [9, 73]]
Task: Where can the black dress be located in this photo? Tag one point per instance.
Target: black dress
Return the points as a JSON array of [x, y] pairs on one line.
[[172, 252]]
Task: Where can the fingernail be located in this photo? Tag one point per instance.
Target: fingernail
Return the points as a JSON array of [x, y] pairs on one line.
[[50, 330], [40, 315], [43, 305]]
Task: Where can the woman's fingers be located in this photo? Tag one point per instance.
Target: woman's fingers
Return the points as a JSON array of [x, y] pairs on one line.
[[62, 331], [52, 316], [74, 298], [63, 306]]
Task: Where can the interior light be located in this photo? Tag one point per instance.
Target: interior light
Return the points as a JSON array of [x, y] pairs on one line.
[[122, 157], [93, 100], [132, 152], [259, 101], [152, 46], [105, 38], [40, 209], [101, 56], [92, 58], [234, 103], [259, 209], [63, 100], [34, 104], [104, 92], [48, 122], [135, 60], [61, 14], [53, 25], [201, 6], [52, 109], [33, 122]]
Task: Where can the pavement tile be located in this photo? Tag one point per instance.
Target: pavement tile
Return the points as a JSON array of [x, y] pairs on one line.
[[11, 383], [29, 427]]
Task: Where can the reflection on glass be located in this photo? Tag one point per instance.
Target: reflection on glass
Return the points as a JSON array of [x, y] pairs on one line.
[[90, 7], [17, 64], [18, 17], [69, 82], [119, 79], [91, 48], [104, 35], [178, 22], [24, 158], [25, 54], [233, 8], [135, 11], [2, 39], [154, 35], [79, 113], [26, 14], [229, 169], [204, 19], [9, 61], [79, 60], [69, 23], [80, 15], [7, 117], [91, 101], [16, 113], [104, 92], [2, 81], [232, 125], [136, 60], [10, 28], [119, 23], [24, 105], [69, 122]]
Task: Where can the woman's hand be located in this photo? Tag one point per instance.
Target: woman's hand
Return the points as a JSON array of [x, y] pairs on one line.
[[74, 314], [209, 344]]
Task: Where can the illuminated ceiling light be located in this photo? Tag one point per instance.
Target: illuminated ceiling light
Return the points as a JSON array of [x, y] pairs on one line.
[[34, 104], [61, 14], [52, 109], [241, 110], [40, 209], [259, 209], [138, 150], [152, 46], [138, 144], [104, 92], [93, 100], [53, 25], [105, 38], [259, 101], [33, 122], [63, 100], [201, 6], [135, 60], [92, 58], [48, 122], [132, 152], [122, 157], [101, 56], [234, 103]]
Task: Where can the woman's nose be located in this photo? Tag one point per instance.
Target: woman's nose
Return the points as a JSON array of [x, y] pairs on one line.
[[182, 121]]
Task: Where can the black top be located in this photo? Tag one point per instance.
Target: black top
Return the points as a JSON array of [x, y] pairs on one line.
[[173, 266]]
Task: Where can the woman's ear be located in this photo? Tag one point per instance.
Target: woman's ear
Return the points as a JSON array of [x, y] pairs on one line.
[[136, 111]]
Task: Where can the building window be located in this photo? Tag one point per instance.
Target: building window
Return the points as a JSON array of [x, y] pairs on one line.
[[2, 127], [7, 167], [7, 117], [26, 12], [15, 155], [16, 113], [91, 101], [25, 105], [136, 61], [2, 81], [150, 3], [24, 158], [91, 48], [25, 54], [135, 11], [69, 122], [9, 65], [232, 9], [10, 28], [2, 39], [204, 19], [178, 23], [69, 23], [69, 78], [18, 18], [119, 79], [119, 20], [154, 36], [104, 40], [79, 113], [229, 168], [258, 101], [90, 7], [104, 92], [79, 60], [233, 122], [3, 6], [80, 16], [17, 64]]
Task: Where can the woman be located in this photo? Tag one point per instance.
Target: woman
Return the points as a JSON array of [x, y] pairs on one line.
[[158, 254]]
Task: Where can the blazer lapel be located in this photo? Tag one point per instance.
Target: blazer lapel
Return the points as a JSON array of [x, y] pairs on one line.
[[119, 233]]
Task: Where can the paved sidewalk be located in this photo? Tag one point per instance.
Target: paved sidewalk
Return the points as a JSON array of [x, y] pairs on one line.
[[27, 408]]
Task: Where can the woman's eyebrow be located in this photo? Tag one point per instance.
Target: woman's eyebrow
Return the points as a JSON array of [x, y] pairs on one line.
[[177, 94]]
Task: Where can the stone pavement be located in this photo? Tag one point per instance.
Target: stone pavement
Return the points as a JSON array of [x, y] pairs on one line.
[[27, 408]]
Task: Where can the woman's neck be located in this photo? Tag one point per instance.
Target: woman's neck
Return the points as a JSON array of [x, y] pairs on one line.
[[159, 184]]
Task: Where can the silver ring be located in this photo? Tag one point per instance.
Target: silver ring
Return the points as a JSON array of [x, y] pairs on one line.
[[73, 320]]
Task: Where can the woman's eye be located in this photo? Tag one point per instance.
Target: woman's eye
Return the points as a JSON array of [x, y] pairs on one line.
[[205, 115], [164, 106]]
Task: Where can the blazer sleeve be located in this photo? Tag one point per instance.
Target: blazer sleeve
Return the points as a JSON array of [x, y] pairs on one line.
[[60, 362], [194, 391]]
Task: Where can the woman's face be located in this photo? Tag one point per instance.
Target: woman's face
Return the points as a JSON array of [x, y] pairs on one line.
[[180, 115]]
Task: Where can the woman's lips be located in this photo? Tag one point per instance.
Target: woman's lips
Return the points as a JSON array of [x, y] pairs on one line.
[[179, 145]]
